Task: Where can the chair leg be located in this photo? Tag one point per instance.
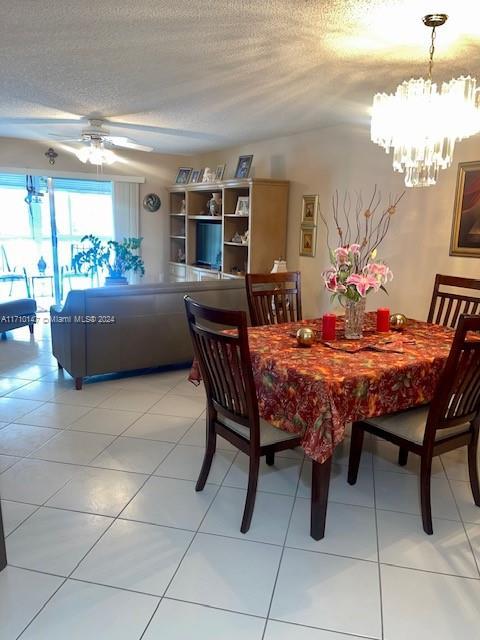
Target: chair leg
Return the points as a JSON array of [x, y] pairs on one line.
[[356, 445], [270, 459], [30, 328], [402, 456], [78, 383], [319, 498], [59, 365], [425, 498], [208, 457], [3, 550], [473, 468], [251, 493]]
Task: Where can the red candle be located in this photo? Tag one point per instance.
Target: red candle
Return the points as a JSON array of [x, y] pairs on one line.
[[383, 320], [328, 326]]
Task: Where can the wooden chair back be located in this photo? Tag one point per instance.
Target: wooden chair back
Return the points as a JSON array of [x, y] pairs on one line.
[[220, 343], [274, 298], [457, 397], [451, 297]]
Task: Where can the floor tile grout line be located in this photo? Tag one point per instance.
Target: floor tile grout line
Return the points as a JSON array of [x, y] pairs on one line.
[[475, 559], [380, 591], [188, 547], [332, 631], [283, 549]]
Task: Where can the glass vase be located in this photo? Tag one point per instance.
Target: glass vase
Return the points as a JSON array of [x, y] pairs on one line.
[[354, 318]]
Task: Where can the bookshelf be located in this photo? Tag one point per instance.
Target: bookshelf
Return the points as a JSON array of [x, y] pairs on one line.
[[266, 223]]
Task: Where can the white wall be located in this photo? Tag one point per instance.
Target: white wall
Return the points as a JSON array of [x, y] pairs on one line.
[[343, 157], [158, 170]]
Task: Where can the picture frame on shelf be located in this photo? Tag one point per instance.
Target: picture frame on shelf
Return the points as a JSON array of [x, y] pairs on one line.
[[208, 175], [309, 211], [196, 176], [243, 166], [465, 236], [308, 241], [243, 206], [219, 171], [183, 175]]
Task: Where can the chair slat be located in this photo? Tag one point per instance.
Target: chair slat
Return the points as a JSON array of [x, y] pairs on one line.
[[452, 296], [274, 298]]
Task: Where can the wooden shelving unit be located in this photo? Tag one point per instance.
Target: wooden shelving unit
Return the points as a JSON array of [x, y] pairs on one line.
[[266, 223]]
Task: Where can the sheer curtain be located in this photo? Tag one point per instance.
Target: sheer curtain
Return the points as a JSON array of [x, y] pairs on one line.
[[125, 202], [126, 214]]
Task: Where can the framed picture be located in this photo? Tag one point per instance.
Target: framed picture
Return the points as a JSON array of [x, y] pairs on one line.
[[243, 206], [309, 210], [219, 171], [183, 175], [465, 239], [308, 241], [243, 166], [196, 176]]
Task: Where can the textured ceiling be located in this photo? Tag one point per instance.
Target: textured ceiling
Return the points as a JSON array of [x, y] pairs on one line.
[[210, 74]]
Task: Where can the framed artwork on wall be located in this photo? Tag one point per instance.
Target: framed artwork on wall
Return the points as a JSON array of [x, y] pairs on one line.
[[308, 241], [465, 238], [309, 211]]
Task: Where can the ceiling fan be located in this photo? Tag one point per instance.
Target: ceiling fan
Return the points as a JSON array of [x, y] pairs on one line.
[[98, 144]]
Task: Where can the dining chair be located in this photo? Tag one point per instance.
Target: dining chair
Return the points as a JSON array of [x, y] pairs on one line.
[[274, 298], [452, 296], [232, 407], [452, 419]]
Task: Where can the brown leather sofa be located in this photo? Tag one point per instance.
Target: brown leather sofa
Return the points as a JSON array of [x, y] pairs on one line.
[[17, 313], [123, 328]]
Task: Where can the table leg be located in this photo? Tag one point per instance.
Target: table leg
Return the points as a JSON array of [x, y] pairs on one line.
[[3, 550], [319, 499]]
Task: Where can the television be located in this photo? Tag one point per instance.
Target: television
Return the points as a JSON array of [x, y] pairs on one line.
[[209, 244]]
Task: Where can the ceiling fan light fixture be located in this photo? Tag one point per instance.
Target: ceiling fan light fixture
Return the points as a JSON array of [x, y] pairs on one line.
[[421, 122], [95, 153]]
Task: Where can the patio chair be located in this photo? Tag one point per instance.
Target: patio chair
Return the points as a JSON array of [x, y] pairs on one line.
[[12, 275]]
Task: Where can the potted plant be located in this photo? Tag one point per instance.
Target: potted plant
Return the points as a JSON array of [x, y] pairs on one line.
[[117, 258], [123, 258]]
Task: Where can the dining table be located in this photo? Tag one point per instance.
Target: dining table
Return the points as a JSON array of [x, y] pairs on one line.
[[317, 391]]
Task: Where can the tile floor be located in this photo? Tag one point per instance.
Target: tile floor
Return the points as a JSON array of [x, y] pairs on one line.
[[106, 537]]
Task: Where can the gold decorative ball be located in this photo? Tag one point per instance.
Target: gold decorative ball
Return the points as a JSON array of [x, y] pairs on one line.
[[398, 322], [305, 337]]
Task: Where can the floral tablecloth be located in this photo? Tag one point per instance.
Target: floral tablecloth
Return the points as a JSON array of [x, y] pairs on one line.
[[316, 391]]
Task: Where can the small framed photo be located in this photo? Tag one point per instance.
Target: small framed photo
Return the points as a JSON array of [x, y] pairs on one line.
[[465, 239], [183, 175], [308, 241], [243, 166], [309, 211], [243, 206], [219, 171], [196, 176]]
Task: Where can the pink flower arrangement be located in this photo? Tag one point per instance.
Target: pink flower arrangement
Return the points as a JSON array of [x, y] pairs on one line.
[[354, 270]]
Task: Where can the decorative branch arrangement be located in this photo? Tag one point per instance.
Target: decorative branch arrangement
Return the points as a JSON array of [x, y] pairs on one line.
[[354, 271]]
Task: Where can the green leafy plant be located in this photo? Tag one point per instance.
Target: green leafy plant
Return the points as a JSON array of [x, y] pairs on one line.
[[117, 258]]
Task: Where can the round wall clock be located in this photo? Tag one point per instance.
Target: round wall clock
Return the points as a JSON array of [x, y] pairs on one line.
[[152, 202]]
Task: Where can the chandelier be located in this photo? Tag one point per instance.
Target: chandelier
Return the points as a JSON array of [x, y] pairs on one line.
[[95, 153], [421, 122]]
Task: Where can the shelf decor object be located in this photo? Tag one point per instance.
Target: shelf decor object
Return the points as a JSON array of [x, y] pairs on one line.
[[421, 121]]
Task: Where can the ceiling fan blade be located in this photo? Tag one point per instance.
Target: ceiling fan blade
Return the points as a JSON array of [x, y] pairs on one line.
[[61, 138], [120, 141], [41, 121], [163, 130]]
